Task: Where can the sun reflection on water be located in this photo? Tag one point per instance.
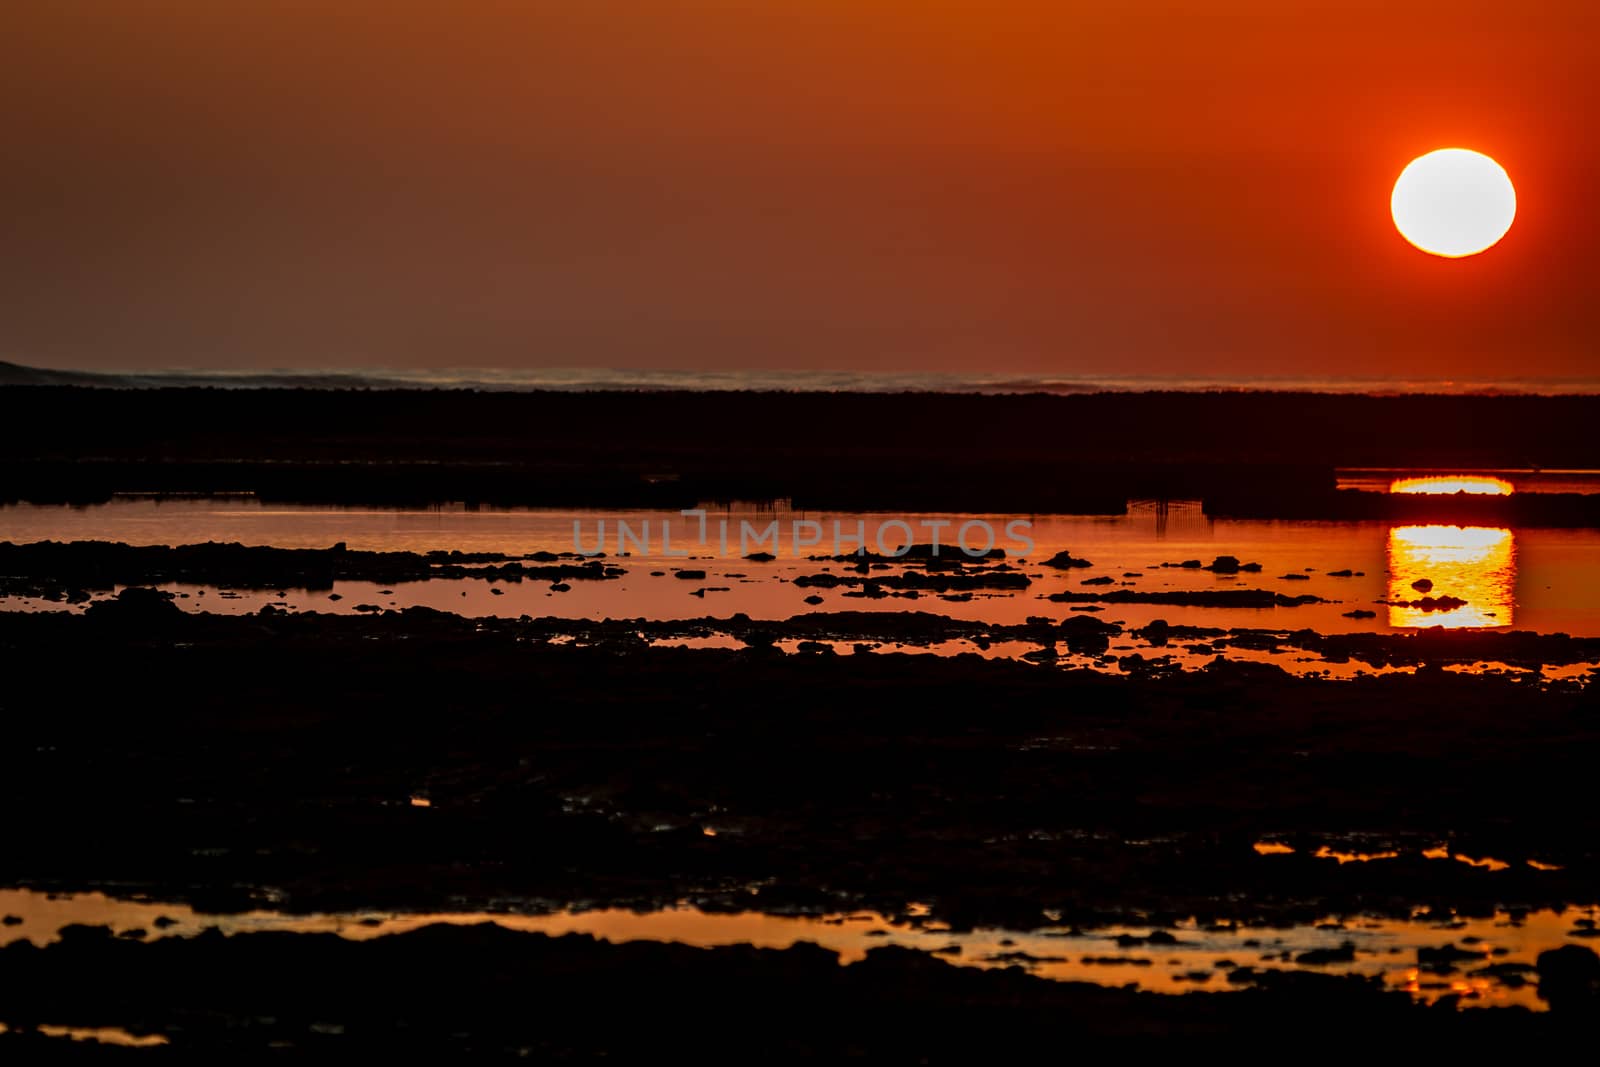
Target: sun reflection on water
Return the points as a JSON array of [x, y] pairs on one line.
[[1476, 564], [1479, 485]]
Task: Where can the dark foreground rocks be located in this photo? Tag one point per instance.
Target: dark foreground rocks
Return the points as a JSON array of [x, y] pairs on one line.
[[215, 758], [486, 992], [234, 761], [45, 567]]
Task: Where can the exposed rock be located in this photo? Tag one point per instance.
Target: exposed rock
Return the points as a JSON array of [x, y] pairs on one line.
[[1025, 959], [137, 606], [1155, 937], [1157, 632], [1431, 603], [1443, 959], [1081, 626], [1320, 957], [1569, 978]]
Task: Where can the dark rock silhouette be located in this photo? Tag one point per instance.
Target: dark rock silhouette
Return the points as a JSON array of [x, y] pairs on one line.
[[136, 606], [1431, 603], [1569, 978]]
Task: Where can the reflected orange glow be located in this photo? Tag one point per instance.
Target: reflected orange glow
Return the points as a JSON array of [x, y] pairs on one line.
[[1488, 863], [103, 1035], [1444, 485], [1326, 853], [1476, 564]]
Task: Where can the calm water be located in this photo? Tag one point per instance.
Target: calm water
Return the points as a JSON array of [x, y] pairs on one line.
[[1533, 579]]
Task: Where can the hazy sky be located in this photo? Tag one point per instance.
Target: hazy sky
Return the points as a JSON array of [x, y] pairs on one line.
[[1057, 186]]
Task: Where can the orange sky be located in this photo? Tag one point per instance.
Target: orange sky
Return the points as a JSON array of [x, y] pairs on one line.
[[1055, 186]]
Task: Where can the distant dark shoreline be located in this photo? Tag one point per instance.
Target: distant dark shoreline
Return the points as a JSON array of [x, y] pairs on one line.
[[1244, 454], [626, 380]]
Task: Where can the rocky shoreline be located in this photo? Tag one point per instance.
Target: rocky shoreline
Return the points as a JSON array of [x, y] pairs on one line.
[[282, 751], [486, 992], [1060, 770]]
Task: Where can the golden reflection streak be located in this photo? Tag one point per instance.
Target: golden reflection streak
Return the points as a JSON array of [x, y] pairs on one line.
[[1480, 485], [1472, 563]]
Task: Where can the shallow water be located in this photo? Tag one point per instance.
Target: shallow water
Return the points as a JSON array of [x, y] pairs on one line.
[[1544, 580], [1496, 970]]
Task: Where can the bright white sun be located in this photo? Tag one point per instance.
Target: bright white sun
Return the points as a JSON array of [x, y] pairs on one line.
[[1454, 202]]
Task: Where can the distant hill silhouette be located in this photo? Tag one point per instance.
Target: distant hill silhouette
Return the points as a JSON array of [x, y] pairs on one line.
[[17, 374]]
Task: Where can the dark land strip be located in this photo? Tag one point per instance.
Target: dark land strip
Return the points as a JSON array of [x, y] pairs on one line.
[[1243, 454]]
